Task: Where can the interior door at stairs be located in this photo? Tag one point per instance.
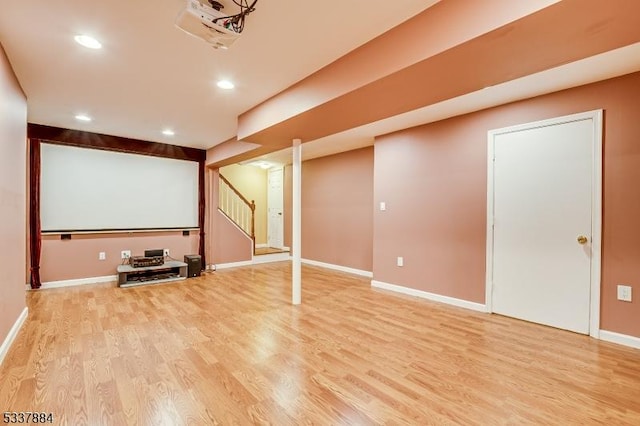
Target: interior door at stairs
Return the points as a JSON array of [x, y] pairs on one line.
[[275, 205], [542, 189]]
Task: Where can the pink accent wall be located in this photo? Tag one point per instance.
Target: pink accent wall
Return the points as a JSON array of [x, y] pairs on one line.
[[337, 209], [337, 203], [13, 198], [78, 258], [433, 179], [230, 244]]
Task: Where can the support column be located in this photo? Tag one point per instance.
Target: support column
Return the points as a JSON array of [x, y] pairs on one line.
[[296, 269]]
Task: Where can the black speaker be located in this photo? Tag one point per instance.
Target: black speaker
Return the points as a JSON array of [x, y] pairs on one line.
[[194, 264]]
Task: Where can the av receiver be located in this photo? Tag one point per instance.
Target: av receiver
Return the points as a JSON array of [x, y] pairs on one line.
[[142, 261]]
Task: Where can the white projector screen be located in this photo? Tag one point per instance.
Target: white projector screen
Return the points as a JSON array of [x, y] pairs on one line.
[[86, 189]]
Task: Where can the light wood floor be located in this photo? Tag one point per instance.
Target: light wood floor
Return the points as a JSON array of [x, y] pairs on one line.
[[228, 348]]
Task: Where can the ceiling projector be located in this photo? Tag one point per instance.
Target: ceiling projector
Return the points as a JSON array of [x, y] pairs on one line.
[[209, 23]]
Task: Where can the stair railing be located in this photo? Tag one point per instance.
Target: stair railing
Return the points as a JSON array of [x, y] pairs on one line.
[[237, 208]]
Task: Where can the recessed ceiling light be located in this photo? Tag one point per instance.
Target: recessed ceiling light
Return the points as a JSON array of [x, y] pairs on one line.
[[88, 41], [168, 132], [226, 84], [83, 117]]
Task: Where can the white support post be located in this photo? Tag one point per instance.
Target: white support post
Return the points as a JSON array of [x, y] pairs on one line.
[[296, 273]]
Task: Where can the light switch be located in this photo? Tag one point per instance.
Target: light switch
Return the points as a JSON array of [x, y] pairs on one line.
[[383, 206]]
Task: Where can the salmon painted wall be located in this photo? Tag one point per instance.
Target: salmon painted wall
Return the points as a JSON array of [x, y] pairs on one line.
[[337, 209], [433, 179], [79, 257], [251, 181], [13, 201], [337, 203], [230, 244]]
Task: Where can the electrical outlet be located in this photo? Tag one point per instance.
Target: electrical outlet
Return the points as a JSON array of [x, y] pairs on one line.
[[624, 293], [383, 206], [125, 254], [400, 261], [166, 252], [102, 256]]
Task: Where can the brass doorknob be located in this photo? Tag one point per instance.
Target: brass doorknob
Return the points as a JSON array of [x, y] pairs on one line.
[[582, 239]]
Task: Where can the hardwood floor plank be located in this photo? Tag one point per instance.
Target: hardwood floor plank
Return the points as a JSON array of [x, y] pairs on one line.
[[228, 348]]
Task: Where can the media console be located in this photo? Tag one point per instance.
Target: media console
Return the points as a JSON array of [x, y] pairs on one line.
[[129, 276]]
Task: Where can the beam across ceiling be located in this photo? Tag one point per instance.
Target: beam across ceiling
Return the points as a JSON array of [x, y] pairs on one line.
[[515, 42]]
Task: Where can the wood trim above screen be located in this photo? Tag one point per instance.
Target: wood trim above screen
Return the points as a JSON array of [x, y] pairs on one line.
[[80, 138]]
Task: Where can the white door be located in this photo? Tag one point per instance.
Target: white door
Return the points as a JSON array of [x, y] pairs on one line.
[[544, 192], [275, 205]]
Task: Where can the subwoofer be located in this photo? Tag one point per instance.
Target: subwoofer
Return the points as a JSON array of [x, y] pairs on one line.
[[194, 264]]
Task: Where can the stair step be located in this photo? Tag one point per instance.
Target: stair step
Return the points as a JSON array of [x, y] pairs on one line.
[[271, 257]]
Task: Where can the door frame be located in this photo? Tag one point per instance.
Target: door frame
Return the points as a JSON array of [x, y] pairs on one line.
[[279, 169], [596, 207]]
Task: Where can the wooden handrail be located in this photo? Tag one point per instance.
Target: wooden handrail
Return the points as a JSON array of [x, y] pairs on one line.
[[251, 204]]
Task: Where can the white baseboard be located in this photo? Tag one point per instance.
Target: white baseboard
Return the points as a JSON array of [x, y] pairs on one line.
[[340, 268], [263, 258], [80, 281], [232, 264], [271, 257], [13, 333], [263, 245], [430, 296], [621, 339]]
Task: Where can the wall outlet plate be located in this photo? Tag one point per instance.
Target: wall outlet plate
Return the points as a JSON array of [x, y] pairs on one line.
[[102, 256], [400, 261], [624, 292], [166, 252], [125, 254]]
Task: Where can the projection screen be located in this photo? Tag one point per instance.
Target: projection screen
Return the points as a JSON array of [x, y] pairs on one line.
[[86, 189]]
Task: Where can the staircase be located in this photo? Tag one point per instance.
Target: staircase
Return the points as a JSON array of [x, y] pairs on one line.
[[237, 208]]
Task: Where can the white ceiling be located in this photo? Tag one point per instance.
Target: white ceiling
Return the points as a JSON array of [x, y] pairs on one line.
[[150, 75]]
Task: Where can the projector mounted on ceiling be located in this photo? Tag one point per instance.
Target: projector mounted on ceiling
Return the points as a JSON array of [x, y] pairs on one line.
[[209, 23]]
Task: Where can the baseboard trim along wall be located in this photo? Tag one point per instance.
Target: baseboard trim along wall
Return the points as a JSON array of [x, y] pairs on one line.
[[264, 258], [269, 258], [231, 265], [430, 296], [13, 333], [340, 268], [75, 282], [621, 339]]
